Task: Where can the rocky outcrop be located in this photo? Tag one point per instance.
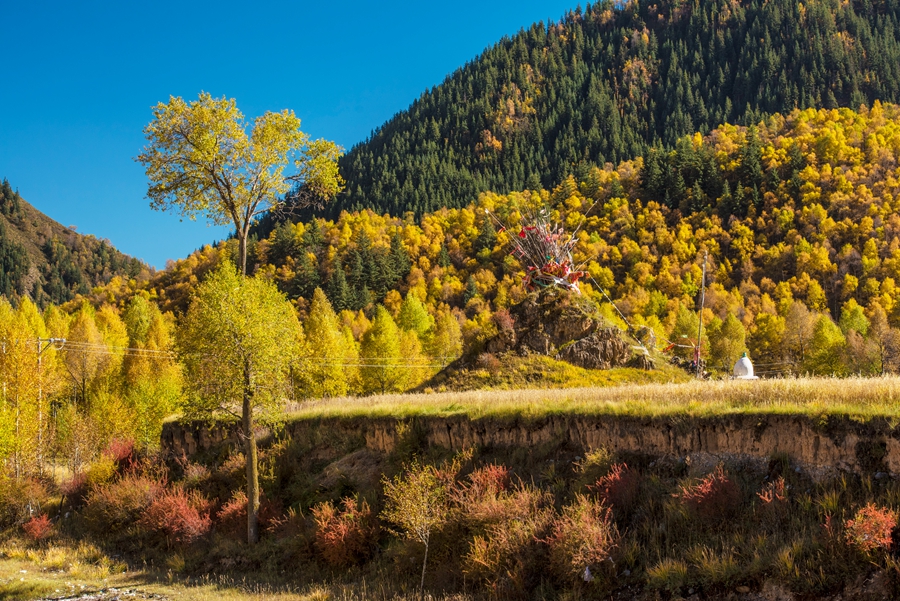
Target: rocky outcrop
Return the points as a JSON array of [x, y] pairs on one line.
[[566, 326], [817, 445]]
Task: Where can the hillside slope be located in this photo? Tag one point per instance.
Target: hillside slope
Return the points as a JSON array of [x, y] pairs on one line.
[[798, 214], [606, 84], [49, 262]]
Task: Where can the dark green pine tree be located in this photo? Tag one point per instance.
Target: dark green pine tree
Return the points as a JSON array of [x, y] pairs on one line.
[[14, 265], [487, 238], [471, 289], [399, 258], [338, 291], [444, 257]]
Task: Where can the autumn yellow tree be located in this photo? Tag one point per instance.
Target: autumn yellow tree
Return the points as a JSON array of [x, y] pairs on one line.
[[237, 341], [26, 378], [325, 371], [201, 160]]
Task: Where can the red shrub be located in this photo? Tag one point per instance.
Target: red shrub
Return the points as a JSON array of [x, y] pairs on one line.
[[618, 488], [871, 528], [714, 497], [345, 536], [38, 528], [121, 451], [232, 517], [583, 539], [177, 517]]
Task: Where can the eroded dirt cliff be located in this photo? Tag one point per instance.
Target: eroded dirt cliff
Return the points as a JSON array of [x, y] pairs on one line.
[[817, 445]]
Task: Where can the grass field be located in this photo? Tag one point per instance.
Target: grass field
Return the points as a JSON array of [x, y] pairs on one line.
[[862, 398], [72, 569]]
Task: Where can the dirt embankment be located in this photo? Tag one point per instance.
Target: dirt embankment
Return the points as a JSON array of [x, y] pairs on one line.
[[816, 445]]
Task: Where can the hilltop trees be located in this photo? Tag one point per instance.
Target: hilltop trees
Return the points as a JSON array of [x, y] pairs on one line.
[[237, 342], [612, 82], [200, 160]]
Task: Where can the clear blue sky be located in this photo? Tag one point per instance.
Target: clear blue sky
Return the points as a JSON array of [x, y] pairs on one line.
[[78, 81]]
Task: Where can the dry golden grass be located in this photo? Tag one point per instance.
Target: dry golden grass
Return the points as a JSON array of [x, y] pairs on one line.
[[864, 398], [46, 573]]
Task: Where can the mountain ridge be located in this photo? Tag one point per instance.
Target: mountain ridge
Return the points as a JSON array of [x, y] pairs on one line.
[[50, 263], [608, 83]]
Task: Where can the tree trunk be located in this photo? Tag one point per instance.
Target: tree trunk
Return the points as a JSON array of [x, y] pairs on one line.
[[252, 463], [242, 245], [424, 563]]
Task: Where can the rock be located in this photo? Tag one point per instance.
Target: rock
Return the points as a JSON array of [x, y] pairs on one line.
[[603, 349], [743, 590], [567, 326]]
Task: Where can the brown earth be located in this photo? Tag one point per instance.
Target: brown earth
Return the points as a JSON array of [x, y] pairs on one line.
[[820, 446]]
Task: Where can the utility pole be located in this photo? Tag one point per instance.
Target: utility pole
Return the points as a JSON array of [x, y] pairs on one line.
[[40, 353], [700, 314]]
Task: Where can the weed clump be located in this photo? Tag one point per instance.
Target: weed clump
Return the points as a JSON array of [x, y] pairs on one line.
[[510, 555], [619, 488], [713, 498], [583, 540]]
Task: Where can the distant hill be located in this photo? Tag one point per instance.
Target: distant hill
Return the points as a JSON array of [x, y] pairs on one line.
[[48, 262], [608, 83]]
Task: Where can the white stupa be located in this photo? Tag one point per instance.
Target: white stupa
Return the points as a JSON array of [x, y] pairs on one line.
[[743, 369]]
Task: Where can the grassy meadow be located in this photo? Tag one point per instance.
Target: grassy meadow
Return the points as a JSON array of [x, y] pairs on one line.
[[862, 398]]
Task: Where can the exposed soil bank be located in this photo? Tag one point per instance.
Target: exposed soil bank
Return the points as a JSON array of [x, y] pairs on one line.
[[817, 445]]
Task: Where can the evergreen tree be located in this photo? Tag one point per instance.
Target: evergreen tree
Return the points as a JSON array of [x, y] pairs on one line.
[[339, 292]]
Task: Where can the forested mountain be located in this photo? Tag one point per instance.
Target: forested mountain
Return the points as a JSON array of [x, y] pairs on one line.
[[48, 262], [611, 81], [799, 215]]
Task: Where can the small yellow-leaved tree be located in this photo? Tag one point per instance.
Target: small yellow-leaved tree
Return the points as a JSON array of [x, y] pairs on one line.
[[237, 342]]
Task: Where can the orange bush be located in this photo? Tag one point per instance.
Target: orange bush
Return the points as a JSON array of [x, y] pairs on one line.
[[117, 505], [347, 534], [871, 528], [38, 528]]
